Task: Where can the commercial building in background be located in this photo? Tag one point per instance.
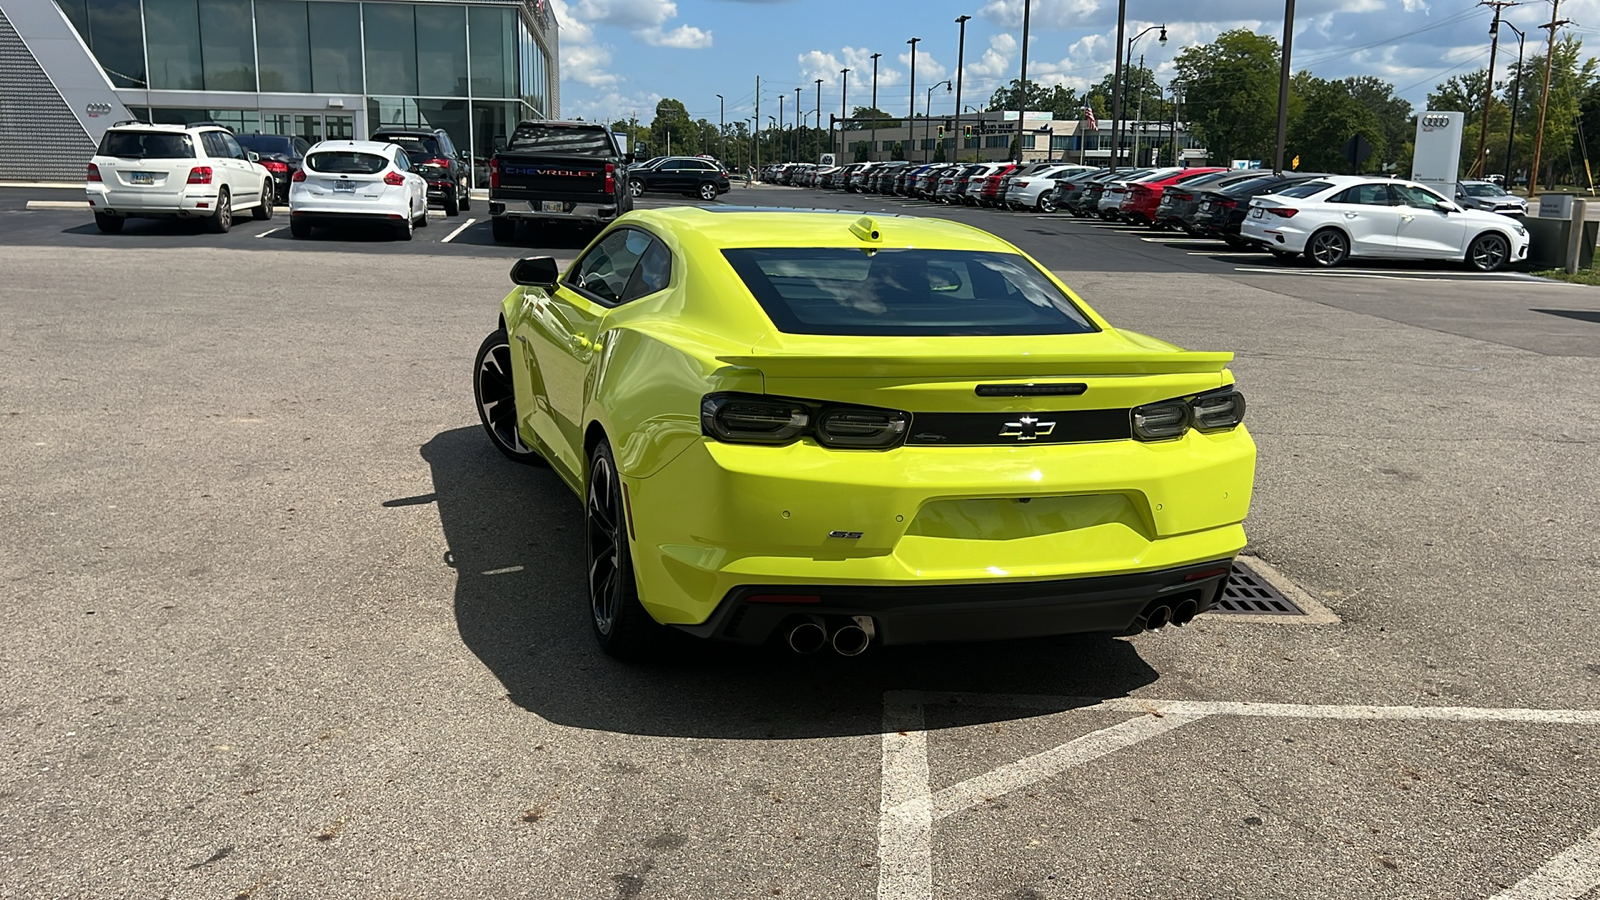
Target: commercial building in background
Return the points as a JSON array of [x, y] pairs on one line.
[[316, 69], [1043, 138]]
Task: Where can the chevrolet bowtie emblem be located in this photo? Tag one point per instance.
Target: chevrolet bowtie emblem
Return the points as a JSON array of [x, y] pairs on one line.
[[1028, 428]]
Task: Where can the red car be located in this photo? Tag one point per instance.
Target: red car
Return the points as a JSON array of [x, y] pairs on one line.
[[989, 192], [1140, 200]]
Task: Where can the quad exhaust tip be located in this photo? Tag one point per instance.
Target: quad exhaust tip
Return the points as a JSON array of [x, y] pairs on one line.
[[848, 636]]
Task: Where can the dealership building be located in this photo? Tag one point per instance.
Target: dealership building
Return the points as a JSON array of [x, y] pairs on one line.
[[317, 69]]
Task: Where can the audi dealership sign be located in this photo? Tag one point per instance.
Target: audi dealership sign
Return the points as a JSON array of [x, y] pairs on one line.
[[1437, 160]]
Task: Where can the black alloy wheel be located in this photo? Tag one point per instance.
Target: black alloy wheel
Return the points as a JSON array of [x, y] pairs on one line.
[[1488, 252], [263, 210], [222, 219], [621, 626], [708, 191], [1328, 248], [497, 400]]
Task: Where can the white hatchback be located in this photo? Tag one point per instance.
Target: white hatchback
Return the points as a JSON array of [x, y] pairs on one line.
[[141, 170], [355, 183], [1334, 218]]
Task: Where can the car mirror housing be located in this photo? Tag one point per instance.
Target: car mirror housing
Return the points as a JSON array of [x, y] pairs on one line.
[[535, 271]]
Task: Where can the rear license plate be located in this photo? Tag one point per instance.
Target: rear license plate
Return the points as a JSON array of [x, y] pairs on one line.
[[142, 178], [344, 187], [552, 206]]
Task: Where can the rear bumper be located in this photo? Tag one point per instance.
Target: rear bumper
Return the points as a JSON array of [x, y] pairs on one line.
[[143, 204], [570, 210], [1116, 604], [338, 217]]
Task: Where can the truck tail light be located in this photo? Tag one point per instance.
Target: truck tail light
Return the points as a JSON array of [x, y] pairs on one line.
[[494, 173], [200, 175], [94, 172], [611, 178], [394, 179]]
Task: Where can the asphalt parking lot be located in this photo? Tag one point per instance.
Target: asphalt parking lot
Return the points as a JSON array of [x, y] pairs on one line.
[[284, 625]]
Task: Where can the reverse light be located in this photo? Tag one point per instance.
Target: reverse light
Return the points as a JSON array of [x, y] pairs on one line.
[[94, 172], [1218, 411], [760, 419], [394, 179], [200, 175]]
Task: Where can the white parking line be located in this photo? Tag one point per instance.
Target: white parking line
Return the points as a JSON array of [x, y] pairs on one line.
[[272, 231], [462, 227], [57, 204], [1381, 276], [1254, 253], [909, 806], [1569, 876], [1180, 240]]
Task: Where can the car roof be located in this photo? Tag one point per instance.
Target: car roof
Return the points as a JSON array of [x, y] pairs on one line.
[[358, 146], [164, 128], [407, 130], [732, 226]]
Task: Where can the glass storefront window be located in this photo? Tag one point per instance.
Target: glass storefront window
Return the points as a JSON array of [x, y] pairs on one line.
[[104, 26], [283, 38], [494, 51], [227, 45], [492, 125], [335, 47], [442, 50], [172, 28], [243, 121], [391, 35]]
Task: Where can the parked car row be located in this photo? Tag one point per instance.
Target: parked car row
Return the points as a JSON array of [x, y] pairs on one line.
[[1325, 219]]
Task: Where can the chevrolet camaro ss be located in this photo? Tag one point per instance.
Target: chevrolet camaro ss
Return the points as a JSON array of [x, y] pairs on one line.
[[828, 428]]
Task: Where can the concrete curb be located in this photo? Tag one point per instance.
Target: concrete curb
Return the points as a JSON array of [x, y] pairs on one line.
[[58, 204]]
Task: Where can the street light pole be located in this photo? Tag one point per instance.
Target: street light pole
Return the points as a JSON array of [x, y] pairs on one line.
[[1116, 84], [798, 124], [722, 130], [844, 109], [927, 117], [961, 55], [1283, 85], [911, 114], [819, 119], [1022, 85], [782, 144], [874, 148], [1516, 97], [1128, 76], [755, 130], [1480, 166]]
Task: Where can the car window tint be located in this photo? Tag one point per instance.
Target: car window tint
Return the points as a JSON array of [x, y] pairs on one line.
[[1364, 195], [604, 272], [1484, 190], [1305, 189], [346, 162], [423, 148], [1418, 197], [653, 273], [402, 161], [231, 145], [579, 140], [136, 145], [840, 291]]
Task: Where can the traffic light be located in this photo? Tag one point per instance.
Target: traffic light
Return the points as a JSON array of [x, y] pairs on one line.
[[941, 132], [968, 130]]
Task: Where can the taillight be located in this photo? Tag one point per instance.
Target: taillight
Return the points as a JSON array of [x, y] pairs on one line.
[[1181, 198], [272, 166], [1283, 211], [494, 173], [94, 172], [394, 179], [299, 175], [760, 419], [1227, 204], [441, 163], [611, 178], [200, 175]]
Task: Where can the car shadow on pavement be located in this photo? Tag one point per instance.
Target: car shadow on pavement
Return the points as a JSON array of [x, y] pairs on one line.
[[515, 539], [528, 236]]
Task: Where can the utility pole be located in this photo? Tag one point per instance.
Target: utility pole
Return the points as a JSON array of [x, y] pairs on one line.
[[1022, 86], [1544, 100], [722, 131], [755, 130], [961, 56], [844, 109], [1283, 85], [911, 110], [874, 148], [1116, 84], [783, 148], [1516, 102], [1479, 166], [819, 119], [798, 124]]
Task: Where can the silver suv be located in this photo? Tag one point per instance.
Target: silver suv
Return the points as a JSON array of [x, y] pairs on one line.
[[175, 171]]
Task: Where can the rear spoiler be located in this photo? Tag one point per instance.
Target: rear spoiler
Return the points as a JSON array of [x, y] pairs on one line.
[[983, 365]]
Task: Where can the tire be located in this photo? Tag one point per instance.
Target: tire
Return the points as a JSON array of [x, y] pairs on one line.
[[109, 224], [1488, 252], [423, 222], [220, 221], [1236, 243], [1328, 248], [1284, 255], [505, 230], [452, 204], [465, 203], [620, 624], [708, 192], [263, 210], [1046, 204], [300, 228], [636, 187], [497, 401], [405, 230]]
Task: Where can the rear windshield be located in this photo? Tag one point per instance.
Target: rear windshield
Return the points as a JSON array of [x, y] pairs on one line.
[[266, 143], [533, 136], [1305, 189], [840, 291], [146, 145], [346, 162]]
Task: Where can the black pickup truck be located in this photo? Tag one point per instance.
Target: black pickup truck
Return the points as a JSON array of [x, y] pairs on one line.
[[557, 172]]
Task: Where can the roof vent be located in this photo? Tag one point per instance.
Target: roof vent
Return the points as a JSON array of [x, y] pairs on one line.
[[866, 228]]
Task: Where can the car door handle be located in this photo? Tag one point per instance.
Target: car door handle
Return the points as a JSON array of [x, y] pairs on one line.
[[1407, 218], [1349, 215], [523, 338]]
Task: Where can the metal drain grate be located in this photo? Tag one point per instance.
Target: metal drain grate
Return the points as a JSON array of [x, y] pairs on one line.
[[1247, 593]]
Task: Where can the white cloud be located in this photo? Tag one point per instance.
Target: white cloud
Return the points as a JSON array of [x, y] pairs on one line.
[[647, 19], [684, 37], [582, 60], [996, 60]]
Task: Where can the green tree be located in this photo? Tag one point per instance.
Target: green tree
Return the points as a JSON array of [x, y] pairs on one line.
[[1394, 114], [1006, 96], [861, 151], [1064, 103], [672, 119], [1231, 94], [864, 115], [1144, 98], [899, 151], [1323, 117]]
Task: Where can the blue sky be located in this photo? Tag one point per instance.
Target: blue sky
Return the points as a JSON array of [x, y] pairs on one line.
[[618, 56]]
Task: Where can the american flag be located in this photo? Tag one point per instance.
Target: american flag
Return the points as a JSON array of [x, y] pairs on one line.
[[1088, 113]]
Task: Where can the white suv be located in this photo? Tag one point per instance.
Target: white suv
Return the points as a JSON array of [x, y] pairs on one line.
[[182, 171]]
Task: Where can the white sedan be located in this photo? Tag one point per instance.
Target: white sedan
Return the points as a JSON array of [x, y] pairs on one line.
[[354, 183], [1334, 218]]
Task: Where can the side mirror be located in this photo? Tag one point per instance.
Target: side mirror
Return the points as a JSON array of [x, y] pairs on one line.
[[254, 156], [535, 271]]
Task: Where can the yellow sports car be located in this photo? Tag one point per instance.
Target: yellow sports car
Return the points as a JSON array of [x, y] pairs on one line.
[[832, 429]]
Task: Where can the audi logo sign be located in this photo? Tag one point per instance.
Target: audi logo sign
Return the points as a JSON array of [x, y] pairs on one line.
[[1435, 121], [96, 110]]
